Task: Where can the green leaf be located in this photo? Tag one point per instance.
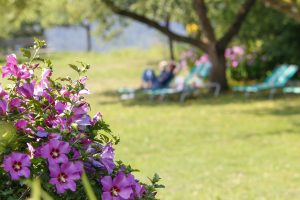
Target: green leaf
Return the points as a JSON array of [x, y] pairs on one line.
[[74, 67], [88, 188], [26, 52], [39, 43], [36, 190]]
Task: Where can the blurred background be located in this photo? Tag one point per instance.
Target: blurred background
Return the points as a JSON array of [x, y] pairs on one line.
[[225, 126]]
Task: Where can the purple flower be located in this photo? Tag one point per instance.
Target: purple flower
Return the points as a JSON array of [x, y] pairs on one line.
[[26, 90], [41, 132], [55, 151], [3, 107], [56, 136], [85, 90], [138, 189], [21, 124], [96, 118], [118, 188], [107, 158], [60, 107], [83, 122], [76, 153], [64, 176], [3, 93], [80, 110], [17, 164], [15, 103], [58, 122]]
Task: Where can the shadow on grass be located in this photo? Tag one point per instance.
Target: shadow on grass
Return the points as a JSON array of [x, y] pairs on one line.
[[284, 110], [273, 133], [207, 99]]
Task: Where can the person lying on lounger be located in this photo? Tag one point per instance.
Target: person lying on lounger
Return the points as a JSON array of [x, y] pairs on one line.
[[167, 73]]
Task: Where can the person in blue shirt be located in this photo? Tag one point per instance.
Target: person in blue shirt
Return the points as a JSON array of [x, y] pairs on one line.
[[151, 81]]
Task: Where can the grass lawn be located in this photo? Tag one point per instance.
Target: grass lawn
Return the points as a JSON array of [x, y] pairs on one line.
[[207, 148]]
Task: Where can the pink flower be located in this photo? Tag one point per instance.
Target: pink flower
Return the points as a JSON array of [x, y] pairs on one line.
[[23, 72], [55, 151], [203, 59], [64, 92], [235, 63], [64, 176], [118, 188], [44, 83], [238, 50], [17, 164], [12, 68]]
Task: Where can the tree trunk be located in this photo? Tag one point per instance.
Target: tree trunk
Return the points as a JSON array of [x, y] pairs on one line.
[[171, 48], [170, 40], [218, 73], [88, 38]]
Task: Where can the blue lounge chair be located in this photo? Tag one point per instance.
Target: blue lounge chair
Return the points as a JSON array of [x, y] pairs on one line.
[[202, 70], [277, 80]]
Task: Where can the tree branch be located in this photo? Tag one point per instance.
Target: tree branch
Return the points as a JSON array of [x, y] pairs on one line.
[[236, 25], [165, 30], [289, 9], [206, 26]]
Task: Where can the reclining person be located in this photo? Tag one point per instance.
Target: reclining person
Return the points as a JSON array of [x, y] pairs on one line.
[[151, 81], [167, 73]]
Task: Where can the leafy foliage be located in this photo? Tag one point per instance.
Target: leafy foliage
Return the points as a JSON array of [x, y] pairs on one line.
[[56, 140]]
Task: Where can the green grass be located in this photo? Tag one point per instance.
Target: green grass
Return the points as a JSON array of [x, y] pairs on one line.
[[207, 148]]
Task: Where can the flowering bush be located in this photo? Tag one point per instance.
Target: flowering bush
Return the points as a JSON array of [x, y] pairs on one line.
[[47, 134], [241, 65], [234, 56]]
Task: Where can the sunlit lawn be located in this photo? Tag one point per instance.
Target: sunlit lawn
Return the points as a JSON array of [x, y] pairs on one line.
[[207, 148]]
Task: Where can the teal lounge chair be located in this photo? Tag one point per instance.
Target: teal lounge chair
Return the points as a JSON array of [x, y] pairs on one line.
[[203, 71], [122, 91], [133, 91], [277, 80], [292, 89]]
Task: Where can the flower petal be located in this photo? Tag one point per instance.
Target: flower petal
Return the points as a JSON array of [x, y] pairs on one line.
[[107, 183], [107, 196], [125, 192]]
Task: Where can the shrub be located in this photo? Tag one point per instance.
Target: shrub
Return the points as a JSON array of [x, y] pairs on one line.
[[47, 134]]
